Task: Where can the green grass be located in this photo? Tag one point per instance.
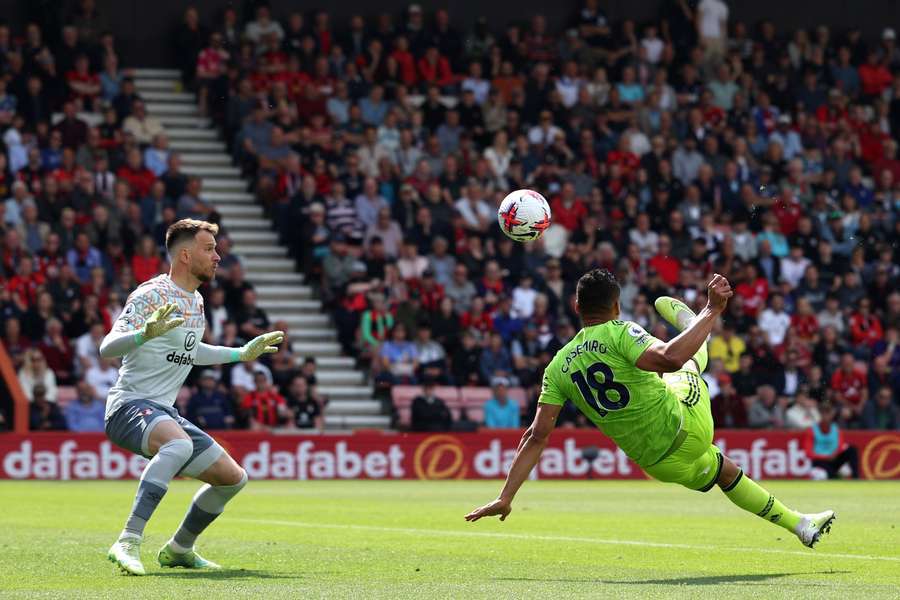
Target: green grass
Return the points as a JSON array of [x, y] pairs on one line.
[[409, 540]]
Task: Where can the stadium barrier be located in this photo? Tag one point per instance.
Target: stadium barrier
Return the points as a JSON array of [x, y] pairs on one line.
[[570, 454]]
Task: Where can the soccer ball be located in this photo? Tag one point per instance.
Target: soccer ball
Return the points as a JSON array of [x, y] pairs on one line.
[[524, 215]]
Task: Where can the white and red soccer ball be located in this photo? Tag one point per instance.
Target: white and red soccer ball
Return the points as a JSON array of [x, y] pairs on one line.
[[524, 215]]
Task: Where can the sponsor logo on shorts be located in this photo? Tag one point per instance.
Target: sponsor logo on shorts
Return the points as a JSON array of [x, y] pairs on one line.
[[180, 359]]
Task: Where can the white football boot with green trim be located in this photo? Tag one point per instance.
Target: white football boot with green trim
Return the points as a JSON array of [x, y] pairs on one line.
[[812, 527], [126, 554]]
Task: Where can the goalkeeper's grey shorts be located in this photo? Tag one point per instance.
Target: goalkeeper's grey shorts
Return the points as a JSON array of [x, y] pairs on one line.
[[130, 425]]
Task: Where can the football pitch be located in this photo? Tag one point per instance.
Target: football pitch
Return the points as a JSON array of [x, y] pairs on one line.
[[368, 539]]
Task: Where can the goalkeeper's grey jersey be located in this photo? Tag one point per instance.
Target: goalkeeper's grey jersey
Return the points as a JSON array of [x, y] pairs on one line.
[[157, 370]]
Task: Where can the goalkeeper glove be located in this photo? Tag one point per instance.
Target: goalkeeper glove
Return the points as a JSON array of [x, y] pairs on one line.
[[262, 344], [157, 324]]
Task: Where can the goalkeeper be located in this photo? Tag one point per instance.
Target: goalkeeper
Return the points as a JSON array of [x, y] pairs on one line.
[[158, 333]]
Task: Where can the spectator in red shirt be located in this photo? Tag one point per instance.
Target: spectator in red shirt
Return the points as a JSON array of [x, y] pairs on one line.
[[25, 283], [788, 210], [84, 86], [211, 64], [865, 328], [139, 177], [568, 210], [406, 62], [754, 290], [667, 266], [804, 323], [477, 318], [874, 76], [146, 262], [849, 386], [264, 407], [434, 69]]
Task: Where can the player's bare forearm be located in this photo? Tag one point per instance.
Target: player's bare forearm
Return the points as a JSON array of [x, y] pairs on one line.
[[530, 449], [529, 452]]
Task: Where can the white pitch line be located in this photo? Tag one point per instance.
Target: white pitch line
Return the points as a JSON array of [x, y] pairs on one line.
[[563, 538]]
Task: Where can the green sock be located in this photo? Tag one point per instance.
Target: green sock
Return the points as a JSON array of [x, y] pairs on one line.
[[750, 496]]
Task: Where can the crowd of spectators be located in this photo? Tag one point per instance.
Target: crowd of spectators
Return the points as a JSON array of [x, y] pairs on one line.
[[88, 186], [669, 149]]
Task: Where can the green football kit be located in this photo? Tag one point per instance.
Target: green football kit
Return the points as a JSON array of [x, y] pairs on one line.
[[664, 424]]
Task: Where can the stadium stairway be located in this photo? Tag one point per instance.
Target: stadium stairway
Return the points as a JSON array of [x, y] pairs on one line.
[[281, 290]]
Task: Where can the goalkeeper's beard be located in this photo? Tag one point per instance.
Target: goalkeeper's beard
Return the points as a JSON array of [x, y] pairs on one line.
[[205, 276]]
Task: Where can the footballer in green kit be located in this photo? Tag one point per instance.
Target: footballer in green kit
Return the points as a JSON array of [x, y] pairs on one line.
[[648, 397]]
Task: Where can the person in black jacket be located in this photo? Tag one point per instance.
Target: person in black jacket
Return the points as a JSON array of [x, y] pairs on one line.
[[430, 413]]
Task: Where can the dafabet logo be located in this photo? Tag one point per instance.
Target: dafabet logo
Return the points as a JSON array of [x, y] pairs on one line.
[[440, 457]]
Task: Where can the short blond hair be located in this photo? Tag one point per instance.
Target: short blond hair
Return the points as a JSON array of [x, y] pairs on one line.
[[187, 229]]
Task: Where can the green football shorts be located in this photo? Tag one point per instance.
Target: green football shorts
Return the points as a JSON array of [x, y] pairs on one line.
[[692, 461]]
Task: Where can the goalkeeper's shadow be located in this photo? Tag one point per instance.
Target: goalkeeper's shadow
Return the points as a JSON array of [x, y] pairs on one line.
[[223, 574]]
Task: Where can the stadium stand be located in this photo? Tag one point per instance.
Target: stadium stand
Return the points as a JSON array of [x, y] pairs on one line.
[[356, 167]]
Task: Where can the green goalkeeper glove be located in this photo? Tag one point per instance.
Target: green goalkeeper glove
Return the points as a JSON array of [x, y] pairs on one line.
[[157, 324], [262, 344]]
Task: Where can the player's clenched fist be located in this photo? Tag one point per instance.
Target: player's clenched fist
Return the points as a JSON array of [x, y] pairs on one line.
[[262, 344], [719, 291], [158, 323]]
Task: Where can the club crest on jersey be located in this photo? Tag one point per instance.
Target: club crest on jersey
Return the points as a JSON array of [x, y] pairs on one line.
[[129, 311], [190, 340]]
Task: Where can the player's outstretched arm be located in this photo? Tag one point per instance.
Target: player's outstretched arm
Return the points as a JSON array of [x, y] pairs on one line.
[[216, 355], [530, 448], [670, 356], [123, 339]]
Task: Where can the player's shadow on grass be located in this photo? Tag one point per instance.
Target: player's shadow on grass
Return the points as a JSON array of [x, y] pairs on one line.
[[224, 574], [749, 578]]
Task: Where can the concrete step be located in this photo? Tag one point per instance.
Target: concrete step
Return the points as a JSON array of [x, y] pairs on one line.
[[234, 224], [251, 250], [157, 109], [171, 74], [314, 335], [202, 159], [220, 172], [224, 185], [296, 321], [348, 392], [179, 120], [255, 266], [283, 291], [353, 407], [155, 85], [178, 135], [171, 97], [189, 146], [263, 277], [237, 210], [356, 421], [286, 306], [339, 377], [242, 197], [255, 236], [316, 349], [335, 362]]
